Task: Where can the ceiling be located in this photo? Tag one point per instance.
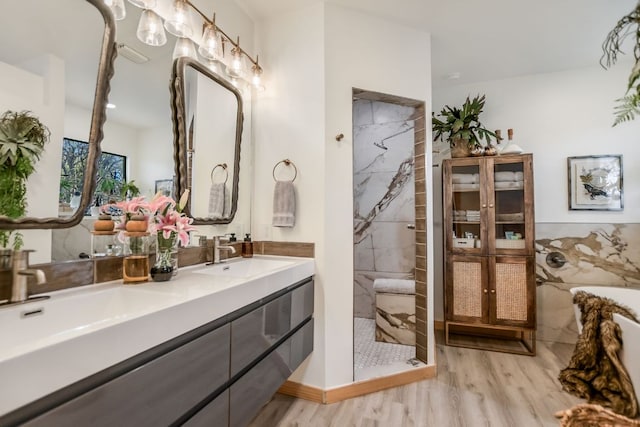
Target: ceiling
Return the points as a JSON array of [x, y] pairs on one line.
[[480, 40], [490, 39]]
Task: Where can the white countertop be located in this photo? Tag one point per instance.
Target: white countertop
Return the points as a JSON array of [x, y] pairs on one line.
[[84, 330]]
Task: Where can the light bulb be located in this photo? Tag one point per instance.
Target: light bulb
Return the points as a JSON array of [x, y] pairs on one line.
[[178, 22], [118, 9], [256, 79], [209, 48], [184, 47], [150, 30], [235, 68]]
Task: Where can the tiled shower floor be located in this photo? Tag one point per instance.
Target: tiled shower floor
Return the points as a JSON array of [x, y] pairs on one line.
[[374, 359]]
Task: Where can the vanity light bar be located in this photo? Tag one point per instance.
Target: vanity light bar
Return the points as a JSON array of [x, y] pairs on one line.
[[178, 25]]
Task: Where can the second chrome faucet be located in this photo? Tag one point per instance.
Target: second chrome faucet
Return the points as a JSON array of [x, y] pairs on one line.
[[217, 247]]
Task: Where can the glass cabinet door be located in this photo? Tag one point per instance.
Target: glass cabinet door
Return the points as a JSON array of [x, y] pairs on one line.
[[464, 208], [510, 206]]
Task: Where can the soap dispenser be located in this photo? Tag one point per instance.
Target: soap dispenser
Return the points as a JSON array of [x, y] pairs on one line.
[[247, 246]]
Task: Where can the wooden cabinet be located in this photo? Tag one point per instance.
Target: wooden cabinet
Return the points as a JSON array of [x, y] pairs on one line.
[[489, 253]]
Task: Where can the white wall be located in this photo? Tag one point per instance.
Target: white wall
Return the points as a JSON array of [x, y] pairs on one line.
[[315, 57], [289, 123], [554, 116], [43, 81]]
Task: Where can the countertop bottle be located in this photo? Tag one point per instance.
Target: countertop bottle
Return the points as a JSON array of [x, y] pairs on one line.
[[247, 246]]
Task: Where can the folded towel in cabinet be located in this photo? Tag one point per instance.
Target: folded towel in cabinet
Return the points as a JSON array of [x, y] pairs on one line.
[[460, 187], [284, 204], [504, 176], [219, 204], [512, 185], [464, 178]]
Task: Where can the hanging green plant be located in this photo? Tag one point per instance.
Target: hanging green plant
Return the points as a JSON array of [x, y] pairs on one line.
[[629, 25], [22, 140]]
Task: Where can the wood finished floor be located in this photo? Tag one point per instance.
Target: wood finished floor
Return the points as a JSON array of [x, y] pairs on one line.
[[473, 388]]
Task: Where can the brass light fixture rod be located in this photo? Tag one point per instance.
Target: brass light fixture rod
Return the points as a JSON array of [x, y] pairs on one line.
[[226, 37]]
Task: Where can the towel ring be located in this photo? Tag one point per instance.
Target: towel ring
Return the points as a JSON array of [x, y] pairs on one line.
[[223, 166], [287, 162]]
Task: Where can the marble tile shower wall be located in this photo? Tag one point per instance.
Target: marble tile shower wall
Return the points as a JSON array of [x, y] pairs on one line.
[[597, 254], [384, 197]]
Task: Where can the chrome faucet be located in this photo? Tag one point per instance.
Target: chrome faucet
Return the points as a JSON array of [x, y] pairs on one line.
[[20, 274], [217, 247]]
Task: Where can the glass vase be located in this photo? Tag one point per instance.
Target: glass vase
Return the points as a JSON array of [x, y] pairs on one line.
[[166, 265], [135, 264]]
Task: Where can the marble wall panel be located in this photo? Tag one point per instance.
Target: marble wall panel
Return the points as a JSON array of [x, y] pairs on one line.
[[381, 147], [596, 254], [396, 319], [384, 198]]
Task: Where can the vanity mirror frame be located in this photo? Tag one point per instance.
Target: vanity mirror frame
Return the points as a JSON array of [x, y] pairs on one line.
[[106, 70], [181, 147]]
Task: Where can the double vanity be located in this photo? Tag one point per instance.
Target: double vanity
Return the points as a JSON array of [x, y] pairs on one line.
[[209, 347]]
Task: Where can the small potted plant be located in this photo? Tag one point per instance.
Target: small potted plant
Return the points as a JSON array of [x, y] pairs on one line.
[[461, 127]]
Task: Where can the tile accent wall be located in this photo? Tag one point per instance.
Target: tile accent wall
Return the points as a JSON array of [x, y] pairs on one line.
[[596, 254], [421, 234], [70, 274]]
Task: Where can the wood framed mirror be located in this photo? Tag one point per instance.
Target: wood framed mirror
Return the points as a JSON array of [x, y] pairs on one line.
[[208, 121], [37, 37]]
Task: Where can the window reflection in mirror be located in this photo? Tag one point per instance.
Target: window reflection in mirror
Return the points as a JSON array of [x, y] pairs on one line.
[[111, 176], [52, 62], [138, 128]]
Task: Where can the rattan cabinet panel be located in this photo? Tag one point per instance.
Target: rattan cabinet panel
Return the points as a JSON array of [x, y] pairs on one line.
[[489, 252]]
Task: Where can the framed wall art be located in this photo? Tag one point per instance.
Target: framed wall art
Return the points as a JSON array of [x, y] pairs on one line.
[[595, 183], [166, 186]]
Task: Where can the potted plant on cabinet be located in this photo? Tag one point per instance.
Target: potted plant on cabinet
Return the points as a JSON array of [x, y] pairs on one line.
[[22, 140], [461, 127]]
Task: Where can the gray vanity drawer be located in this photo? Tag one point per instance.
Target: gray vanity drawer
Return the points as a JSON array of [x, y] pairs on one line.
[[301, 303], [301, 345], [154, 394], [255, 388], [215, 413], [255, 332]]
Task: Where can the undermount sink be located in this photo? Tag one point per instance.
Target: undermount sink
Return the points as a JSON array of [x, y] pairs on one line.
[[50, 320], [244, 267]]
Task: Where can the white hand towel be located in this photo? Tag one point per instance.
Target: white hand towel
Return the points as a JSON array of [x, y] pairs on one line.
[[218, 201], [284, 204]]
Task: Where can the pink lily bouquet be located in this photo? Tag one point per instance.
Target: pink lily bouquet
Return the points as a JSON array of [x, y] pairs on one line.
[[162, 214], [168, 218]]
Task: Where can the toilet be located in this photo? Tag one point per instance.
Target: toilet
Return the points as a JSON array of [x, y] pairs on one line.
[[395, 311]]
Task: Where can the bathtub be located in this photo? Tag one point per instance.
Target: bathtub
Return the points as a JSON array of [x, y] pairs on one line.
[[630, 298]]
